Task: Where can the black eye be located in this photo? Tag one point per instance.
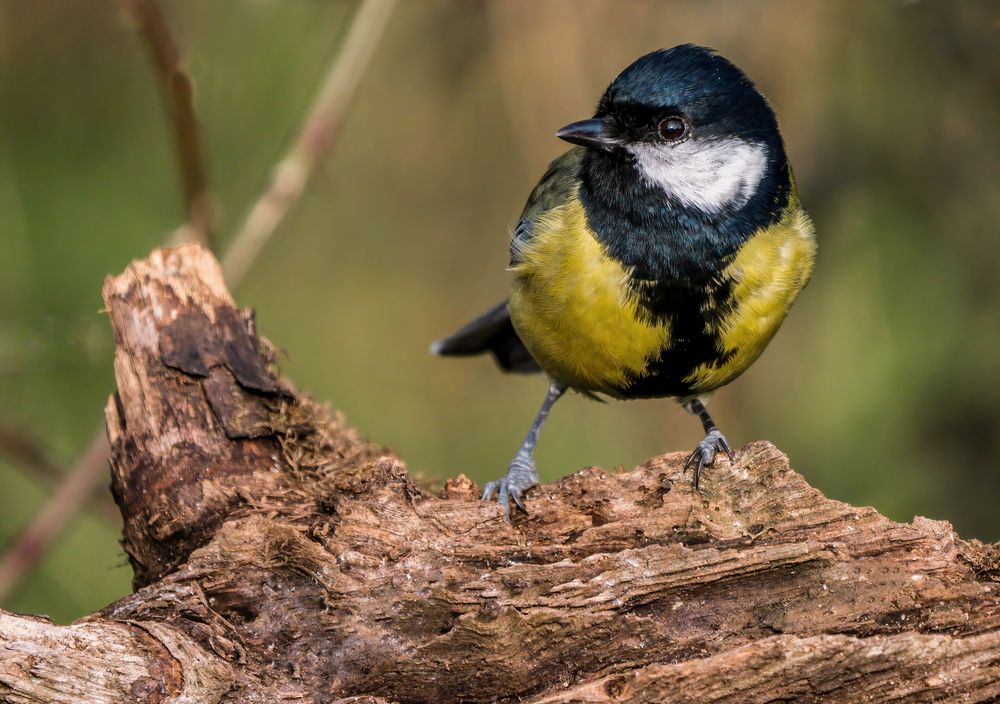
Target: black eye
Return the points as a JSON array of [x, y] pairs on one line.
[[672, 128]]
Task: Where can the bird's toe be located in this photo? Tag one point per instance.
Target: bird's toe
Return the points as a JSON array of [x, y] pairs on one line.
[[491, 489], [705, 452]]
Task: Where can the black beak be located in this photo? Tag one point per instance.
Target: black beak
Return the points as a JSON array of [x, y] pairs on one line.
[[592, 134]]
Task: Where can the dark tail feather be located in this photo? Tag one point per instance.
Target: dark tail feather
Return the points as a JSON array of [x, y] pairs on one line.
[[490, 332]]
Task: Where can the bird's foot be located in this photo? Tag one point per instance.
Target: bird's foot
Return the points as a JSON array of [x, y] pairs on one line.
[[704, 455], [520, 477]]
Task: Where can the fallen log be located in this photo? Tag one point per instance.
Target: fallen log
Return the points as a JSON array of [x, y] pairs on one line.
[[278, 556]]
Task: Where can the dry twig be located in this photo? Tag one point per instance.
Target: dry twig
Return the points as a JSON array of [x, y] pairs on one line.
[[178, 98], [29, 454], [19, 446], [316, 137], [49, 523]]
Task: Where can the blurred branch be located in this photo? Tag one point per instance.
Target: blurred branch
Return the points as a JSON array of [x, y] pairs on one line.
[[49, 523], [177, 91], [29, 454], [316, 137], [17, 445]]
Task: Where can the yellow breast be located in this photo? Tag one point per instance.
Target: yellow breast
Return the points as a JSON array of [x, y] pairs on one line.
[[571, 305], [768, 273]]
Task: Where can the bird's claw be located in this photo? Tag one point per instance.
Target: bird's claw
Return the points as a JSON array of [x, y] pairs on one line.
[[704, 454], [520, 477]]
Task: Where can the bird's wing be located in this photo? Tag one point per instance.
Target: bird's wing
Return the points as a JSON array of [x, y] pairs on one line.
[[491, 332], [555, 188]]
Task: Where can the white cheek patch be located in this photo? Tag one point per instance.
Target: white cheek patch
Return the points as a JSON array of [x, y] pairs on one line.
[[704, 174]]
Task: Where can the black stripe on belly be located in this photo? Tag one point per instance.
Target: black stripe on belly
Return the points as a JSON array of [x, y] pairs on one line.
[[694, 315]]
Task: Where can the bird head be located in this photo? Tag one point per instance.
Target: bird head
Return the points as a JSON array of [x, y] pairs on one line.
[[690, 123]]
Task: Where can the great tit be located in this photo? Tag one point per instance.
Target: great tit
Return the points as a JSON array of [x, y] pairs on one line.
[[655, 258]]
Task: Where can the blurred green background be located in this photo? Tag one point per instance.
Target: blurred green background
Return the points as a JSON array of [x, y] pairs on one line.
[[882, 386]]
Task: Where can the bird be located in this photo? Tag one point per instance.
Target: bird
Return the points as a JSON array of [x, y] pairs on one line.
[[655, 258]]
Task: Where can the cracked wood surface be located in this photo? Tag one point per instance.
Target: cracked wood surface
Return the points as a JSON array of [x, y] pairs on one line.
[[280, 557]]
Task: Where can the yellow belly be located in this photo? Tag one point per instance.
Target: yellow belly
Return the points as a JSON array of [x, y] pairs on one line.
[[571, 305], [573, 308]]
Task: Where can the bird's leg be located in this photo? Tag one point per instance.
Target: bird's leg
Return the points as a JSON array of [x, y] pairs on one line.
[[704, 453], [521, 475]]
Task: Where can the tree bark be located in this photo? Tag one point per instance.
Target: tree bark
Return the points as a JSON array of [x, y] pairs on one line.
[[278, 556]]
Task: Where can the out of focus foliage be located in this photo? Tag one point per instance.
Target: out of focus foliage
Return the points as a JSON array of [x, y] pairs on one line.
[[883, 385]]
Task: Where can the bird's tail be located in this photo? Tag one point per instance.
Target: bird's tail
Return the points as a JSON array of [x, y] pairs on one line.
[[491, 332]]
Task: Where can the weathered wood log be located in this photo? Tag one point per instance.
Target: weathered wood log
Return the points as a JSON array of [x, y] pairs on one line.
[[280, 557]]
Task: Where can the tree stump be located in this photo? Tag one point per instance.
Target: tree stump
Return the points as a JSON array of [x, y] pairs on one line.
[[279, 557]]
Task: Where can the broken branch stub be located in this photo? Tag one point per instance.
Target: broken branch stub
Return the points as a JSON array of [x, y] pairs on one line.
[[195, 398]]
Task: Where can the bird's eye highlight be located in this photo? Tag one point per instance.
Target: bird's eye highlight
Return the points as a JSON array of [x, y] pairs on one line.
[[672, 128]]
